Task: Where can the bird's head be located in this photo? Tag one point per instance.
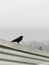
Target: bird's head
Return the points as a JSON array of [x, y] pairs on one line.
[[21, 36]]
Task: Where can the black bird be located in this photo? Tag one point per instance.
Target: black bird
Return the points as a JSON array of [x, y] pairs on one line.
[[17, 39]]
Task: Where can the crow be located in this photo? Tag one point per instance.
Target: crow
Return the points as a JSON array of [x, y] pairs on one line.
[[18, 39]]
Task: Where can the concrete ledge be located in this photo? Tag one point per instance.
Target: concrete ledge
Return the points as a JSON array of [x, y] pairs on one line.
[[15, 53]]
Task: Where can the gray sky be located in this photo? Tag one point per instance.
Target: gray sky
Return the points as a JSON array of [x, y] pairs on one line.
[[30, 15]]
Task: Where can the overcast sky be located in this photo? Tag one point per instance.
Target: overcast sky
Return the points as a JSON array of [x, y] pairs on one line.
[[24, 17]]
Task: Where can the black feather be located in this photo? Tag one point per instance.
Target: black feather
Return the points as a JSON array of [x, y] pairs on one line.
[[18, 39]]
